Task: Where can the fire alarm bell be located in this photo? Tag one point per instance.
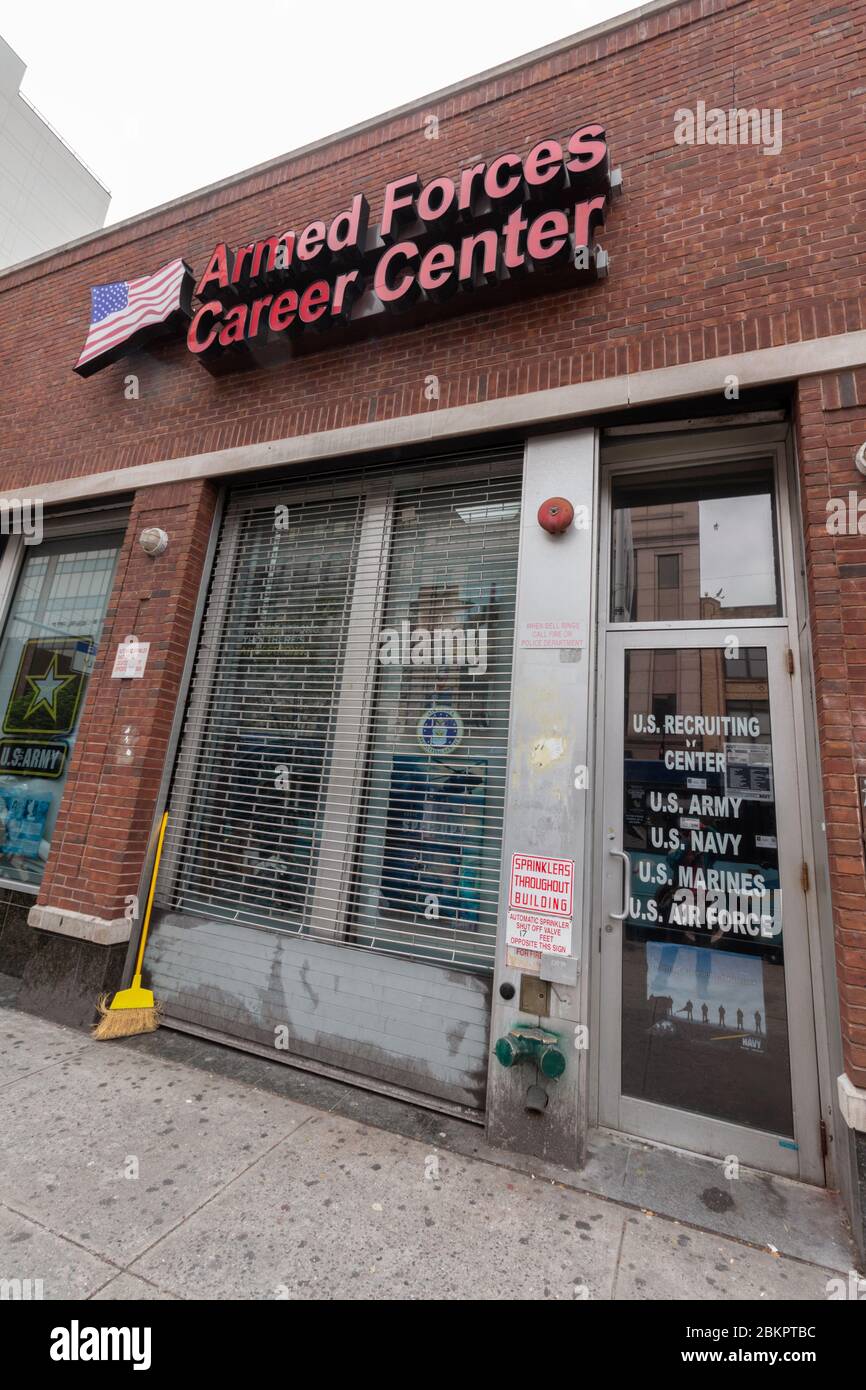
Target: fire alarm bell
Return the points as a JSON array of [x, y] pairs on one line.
[[556, 515]]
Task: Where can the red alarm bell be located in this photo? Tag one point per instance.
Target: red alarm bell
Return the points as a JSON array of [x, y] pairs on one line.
[[556, 515]]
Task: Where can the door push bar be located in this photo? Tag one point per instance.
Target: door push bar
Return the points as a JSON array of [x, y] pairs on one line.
[[621, 854]]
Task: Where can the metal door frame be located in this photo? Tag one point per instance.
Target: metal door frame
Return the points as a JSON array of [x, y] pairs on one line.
[[687, 1129], [744, 448]]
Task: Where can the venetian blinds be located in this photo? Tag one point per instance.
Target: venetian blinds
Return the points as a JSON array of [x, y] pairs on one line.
[[342, 765]]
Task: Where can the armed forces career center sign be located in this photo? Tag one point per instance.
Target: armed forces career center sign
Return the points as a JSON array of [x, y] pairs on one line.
[[43, 705], [498, 229]]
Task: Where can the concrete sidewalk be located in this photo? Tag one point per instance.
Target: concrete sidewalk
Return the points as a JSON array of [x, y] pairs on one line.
[[128, 1174]]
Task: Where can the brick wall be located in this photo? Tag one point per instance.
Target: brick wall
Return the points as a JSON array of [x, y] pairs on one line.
[[831, 425], [101, 834], [714, 249]]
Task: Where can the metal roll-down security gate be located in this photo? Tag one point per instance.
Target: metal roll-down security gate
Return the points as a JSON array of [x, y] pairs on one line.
[[330, 882]]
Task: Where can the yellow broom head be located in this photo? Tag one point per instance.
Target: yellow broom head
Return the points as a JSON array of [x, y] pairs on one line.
[[131, 1011]]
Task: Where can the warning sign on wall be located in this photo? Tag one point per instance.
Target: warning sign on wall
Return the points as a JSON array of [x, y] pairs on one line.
[[532, 931], [540, 904], [130, 659], [550, 635], [540, 884]]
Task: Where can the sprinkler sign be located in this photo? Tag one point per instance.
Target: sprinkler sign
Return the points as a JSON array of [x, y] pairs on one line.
[[541, 904], [540, 884]]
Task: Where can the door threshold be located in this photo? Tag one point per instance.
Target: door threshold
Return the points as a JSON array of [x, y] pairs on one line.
[[783, 1214]]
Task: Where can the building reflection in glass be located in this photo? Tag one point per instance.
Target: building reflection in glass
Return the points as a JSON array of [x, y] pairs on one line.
[[704, 1017], [681, 557]]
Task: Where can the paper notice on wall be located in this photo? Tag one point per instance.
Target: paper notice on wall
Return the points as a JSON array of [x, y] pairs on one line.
[[538, 931], [83, 658], [131, 659], [555, 635], [749, 771], [527, 962]]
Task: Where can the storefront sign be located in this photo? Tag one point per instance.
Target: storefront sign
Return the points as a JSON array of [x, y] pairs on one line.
[[493, 226], [32, 759]]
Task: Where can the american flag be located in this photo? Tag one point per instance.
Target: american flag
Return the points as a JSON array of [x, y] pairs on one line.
[[126, 307]]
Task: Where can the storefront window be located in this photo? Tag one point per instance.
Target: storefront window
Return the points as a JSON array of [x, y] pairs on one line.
[[46, 656], [256, 801], [343, 768], [429, 858], [694, 552]]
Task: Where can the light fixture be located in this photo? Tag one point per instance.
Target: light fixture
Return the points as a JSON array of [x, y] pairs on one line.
[[153, 540]]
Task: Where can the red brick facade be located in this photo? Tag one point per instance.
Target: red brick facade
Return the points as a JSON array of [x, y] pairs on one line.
[[101, 834], [831, 413], [714, 250]]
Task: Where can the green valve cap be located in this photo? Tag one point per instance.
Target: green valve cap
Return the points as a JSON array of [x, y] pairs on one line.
[[552, 1062], [505, 1051]]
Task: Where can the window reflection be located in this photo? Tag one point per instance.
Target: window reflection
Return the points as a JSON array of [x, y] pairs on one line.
[[46, 657], [704, 1020], [683, 552]]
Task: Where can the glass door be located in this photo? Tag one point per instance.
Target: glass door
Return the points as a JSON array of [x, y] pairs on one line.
[[707, 1031]]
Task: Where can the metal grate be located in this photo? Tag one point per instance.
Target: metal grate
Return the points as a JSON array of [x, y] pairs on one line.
[[340, 773]]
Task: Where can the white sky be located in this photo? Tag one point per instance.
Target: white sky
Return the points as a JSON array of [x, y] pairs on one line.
[[159, 97], [737, 559]]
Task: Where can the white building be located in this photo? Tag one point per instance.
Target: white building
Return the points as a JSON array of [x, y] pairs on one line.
[[47, 196]]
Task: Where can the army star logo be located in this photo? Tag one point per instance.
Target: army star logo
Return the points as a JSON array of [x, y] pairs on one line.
[[47, 688]]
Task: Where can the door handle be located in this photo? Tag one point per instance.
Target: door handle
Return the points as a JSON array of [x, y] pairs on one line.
[[621, 854]]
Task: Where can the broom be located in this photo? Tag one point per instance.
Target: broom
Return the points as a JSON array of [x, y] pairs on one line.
[[133, 1010]]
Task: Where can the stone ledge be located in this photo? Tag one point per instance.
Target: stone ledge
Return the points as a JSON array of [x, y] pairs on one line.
[[82, 926], [852, 1103]]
